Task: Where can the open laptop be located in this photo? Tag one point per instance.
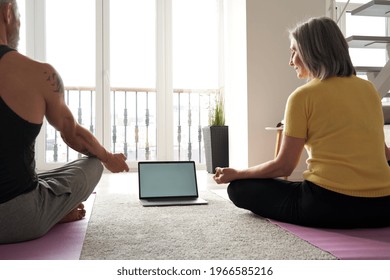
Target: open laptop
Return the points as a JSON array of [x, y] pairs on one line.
[[163, 183]]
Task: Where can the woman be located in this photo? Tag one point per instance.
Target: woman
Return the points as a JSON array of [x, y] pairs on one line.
[[338, 118]]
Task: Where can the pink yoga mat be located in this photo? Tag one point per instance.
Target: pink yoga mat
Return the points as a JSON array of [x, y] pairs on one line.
[[62, 242], [346, 244]]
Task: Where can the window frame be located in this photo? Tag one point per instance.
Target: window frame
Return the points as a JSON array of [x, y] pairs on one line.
[[36, 49]]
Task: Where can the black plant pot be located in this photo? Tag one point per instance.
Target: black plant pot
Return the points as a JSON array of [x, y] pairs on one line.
[[216, 144]]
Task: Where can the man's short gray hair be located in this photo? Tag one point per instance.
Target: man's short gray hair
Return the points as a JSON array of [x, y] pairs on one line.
[[14, 5], [7, 1]]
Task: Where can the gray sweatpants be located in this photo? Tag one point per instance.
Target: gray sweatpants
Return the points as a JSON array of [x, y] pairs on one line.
[[32, 215]]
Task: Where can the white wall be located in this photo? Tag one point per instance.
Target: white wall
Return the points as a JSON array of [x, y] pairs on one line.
[[235, 77], [258, 100]]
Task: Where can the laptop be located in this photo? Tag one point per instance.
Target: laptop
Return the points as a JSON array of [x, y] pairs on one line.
[[165, 183]]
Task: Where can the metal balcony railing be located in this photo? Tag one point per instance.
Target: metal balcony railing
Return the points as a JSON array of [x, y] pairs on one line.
[[133, 122]]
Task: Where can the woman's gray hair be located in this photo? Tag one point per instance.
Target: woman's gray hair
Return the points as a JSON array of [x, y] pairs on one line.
[[322, 48]]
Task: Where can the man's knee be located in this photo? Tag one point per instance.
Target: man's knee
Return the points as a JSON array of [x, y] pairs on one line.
[[92, 163], [93, 169], [86, 175]]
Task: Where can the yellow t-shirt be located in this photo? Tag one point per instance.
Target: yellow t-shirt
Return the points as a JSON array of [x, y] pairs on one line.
[[342, 121]]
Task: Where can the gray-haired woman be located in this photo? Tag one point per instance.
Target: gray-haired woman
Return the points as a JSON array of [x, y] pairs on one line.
[[338, 118]]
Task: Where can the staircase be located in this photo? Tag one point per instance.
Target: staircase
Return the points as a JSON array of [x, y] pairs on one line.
[[379, 76]]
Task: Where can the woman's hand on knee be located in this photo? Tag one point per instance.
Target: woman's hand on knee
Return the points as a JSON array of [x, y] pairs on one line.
[[225, 175]]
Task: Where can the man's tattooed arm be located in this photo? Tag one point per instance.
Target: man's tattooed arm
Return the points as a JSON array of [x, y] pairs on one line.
[[55, 81]]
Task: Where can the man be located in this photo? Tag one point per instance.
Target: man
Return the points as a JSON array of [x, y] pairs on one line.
[[30, 203]]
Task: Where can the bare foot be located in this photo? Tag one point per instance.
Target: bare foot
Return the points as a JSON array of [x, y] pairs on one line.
[[76, 214]]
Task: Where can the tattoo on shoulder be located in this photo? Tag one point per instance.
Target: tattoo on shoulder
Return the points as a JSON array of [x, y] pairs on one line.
[[55, 81]]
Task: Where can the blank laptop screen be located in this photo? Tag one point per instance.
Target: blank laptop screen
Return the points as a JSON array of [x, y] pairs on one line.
[[167, 179]]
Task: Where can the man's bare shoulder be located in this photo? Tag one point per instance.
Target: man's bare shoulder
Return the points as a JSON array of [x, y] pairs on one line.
[[40, 73], [26, 85], [31, 64]]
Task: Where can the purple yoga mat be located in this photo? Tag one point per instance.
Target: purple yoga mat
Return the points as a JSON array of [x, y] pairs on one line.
[[346, 244], [62, 242]]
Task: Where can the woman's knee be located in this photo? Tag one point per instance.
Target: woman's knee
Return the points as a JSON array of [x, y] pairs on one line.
[[235, 193]]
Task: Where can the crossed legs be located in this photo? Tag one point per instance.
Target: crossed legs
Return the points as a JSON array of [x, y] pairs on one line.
[[57, 198]]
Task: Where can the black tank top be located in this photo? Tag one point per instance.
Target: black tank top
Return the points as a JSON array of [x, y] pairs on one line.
[[17, 155]]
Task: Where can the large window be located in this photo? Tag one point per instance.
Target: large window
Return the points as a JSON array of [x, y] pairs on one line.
[[70, 48], [139, 74], [196, 42], [133, 78]]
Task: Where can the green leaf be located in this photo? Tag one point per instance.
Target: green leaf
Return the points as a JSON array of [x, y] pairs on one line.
[[217, 114]]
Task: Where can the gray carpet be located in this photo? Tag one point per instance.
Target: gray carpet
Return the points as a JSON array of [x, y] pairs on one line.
[[121, 229]]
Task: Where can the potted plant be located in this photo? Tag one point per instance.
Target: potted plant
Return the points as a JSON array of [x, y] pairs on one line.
[[216, 137]]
